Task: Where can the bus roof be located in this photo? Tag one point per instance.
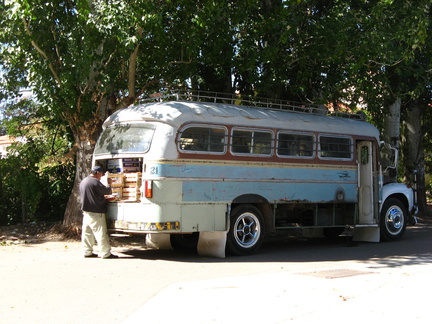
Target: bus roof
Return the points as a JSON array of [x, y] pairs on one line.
[[177, 113]]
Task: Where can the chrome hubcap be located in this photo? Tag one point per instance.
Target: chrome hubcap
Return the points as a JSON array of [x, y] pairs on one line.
[[394, 220], [247, 230]]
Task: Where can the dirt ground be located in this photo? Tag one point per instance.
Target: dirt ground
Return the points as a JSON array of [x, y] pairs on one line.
[[30, 233], [54, 232]]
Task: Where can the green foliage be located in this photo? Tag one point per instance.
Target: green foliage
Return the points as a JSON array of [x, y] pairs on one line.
[[36, 175], [75, 54], [29, 194]]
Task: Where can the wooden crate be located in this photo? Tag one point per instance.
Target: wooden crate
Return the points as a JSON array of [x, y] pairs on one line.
[[131, 193], [117, 180], [116, 194], [132, 179]]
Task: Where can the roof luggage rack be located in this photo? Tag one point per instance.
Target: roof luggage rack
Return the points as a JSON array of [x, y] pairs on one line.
[[249, 101]]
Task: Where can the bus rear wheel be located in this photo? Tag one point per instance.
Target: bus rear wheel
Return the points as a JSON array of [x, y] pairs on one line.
[[393, 220], [246, 230]]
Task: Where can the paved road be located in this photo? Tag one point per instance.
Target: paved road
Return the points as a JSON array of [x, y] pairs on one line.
[[287, 281]]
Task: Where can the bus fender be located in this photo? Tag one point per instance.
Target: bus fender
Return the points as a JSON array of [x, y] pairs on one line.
[[399, 191], [212, 244], [261, 203], [160, 241]]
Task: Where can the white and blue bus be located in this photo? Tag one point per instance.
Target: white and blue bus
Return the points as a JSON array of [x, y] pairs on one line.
[[222, 176]]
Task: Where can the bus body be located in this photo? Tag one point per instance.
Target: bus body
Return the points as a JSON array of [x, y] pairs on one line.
[[221, 176]]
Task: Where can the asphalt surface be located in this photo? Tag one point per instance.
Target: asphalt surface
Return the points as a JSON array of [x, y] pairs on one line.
[[367, 295], [302, 281], [393, 284], [353, 294]]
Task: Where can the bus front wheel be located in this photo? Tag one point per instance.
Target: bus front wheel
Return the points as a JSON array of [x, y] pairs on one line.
[[246, 231], [393, 220]]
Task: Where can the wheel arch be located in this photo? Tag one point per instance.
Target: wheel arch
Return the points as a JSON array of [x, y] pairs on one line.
[[401, 192], [399, 196], [259, 202]]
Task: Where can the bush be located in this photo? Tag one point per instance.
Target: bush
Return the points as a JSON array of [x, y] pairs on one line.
[[34, 186]]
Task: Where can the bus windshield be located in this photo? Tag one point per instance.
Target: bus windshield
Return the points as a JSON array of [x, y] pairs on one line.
[[125, 138]]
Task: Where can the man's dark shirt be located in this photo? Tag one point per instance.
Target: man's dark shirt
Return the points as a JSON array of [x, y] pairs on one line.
[[92, 193]]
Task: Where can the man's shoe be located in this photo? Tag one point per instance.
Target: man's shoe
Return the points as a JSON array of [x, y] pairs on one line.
[[111, 256], [91, 256]]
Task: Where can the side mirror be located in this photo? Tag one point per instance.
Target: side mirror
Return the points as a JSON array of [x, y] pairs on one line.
[[389, 157]]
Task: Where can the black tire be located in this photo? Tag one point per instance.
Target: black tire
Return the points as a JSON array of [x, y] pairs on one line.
[[246, 231], [393, 220]]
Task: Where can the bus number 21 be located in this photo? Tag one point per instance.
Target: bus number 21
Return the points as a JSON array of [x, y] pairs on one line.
[[154, 170]]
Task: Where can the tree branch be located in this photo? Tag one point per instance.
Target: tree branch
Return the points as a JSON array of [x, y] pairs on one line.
[[132, 67], [42, 52], [145, 87]]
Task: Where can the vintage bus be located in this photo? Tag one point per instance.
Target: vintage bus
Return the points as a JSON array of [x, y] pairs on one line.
[[222, 175]]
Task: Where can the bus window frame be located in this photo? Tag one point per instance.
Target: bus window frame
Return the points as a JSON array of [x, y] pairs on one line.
[[252, 129], [185, 127], [319, 151], [314, 145]]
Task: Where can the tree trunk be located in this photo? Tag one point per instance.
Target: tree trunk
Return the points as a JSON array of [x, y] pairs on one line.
[[85, 140], [414, 154], [391, 132]]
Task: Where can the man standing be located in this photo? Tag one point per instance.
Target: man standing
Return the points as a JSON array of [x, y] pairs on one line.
[[94, 206]]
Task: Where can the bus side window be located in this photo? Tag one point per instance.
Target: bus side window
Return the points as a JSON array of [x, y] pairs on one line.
[[294, 145], [202, 139], [251, 142], [365, 155], [241, 141], [335, 147]]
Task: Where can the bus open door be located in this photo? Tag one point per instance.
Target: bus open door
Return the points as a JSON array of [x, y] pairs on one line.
[[367, 228]]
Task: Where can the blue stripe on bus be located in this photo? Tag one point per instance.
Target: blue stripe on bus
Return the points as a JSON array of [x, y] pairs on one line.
[[219, 182], [220, 172], [207, 191]]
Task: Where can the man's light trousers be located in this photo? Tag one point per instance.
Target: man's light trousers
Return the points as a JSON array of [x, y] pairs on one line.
[[94, 227]]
